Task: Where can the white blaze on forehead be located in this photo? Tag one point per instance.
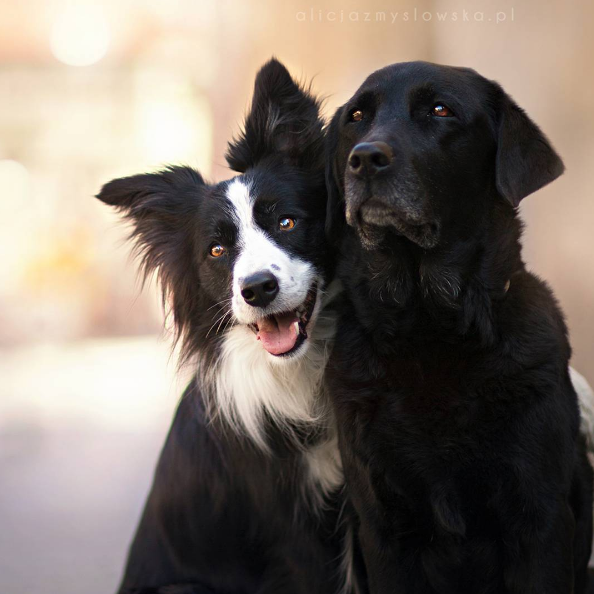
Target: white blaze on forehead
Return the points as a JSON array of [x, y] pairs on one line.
[[258, 252], [238, 194]]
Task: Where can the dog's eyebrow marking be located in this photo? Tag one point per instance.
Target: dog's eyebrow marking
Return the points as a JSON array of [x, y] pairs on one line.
[[238, 194], [274, 267]]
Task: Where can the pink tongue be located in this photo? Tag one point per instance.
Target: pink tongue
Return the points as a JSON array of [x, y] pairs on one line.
[[278, 334]]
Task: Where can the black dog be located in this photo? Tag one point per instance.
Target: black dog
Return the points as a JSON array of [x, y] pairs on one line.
[[458, 422], [247, 494]]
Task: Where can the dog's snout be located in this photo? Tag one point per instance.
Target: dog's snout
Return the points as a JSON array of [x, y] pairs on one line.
[[259, 289], [369, 158]]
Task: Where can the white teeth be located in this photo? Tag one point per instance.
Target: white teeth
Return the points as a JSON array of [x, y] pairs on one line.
[[296, 326]]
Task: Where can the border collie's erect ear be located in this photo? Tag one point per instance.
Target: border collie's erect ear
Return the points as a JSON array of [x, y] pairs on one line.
[[284, 120], [335, 216], [162, 208], [526, 161]]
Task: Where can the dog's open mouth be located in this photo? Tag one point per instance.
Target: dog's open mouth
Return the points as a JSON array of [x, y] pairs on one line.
[[283, 333], [422, 232]]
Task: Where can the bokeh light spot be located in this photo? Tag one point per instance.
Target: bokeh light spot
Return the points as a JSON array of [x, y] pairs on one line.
[[80, 35]]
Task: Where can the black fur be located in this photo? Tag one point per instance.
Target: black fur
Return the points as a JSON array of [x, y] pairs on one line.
[[164, 210], [282, 122], [224, 516], [458, 421]]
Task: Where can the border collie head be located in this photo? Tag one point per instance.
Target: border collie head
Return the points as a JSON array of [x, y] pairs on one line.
[[242, 262]]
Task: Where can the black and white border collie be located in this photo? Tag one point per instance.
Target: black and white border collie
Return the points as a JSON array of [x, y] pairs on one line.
[[246, 495]]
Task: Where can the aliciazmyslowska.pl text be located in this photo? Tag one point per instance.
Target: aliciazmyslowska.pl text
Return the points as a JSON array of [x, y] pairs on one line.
[[315, 15]]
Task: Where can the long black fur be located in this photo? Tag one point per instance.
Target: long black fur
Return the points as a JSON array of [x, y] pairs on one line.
[[281, 121], [458, 421]]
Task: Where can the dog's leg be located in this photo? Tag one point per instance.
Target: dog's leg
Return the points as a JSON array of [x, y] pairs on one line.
[[581, 503], [541, 559], [590, 588]]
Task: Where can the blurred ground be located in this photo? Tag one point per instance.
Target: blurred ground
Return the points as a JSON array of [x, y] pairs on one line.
[[81, 426]]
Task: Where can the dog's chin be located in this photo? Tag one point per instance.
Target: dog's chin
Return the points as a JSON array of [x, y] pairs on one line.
[[285, 335], [375, 220]]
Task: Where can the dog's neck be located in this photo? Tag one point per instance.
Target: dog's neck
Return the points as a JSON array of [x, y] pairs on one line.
[[258, 397], [449, 290]]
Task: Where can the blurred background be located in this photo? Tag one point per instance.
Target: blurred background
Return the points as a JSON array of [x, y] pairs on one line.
[[91, 90]]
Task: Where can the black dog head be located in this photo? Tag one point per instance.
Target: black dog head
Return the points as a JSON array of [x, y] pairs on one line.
[[240, 252], [419, 147]]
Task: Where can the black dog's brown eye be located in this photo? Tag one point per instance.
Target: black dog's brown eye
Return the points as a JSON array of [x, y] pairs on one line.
[[217, 250], [442, 111], [286, 223], [357, 115]]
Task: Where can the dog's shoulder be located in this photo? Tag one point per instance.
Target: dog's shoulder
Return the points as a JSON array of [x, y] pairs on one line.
[[531, 322]]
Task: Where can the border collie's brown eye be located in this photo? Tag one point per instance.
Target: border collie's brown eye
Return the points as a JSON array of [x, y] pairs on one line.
[[217, 250], [357, 115], [286, 223], [442, 111]]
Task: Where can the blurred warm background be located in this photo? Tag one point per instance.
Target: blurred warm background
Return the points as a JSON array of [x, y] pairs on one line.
[[90, 90]]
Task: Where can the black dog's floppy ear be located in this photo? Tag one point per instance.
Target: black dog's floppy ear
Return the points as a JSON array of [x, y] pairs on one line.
[[335, 215], [162, 208], [284, 120], [526, 160]]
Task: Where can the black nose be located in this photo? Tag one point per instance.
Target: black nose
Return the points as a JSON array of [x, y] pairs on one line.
[[369, 158], [259, 289]]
